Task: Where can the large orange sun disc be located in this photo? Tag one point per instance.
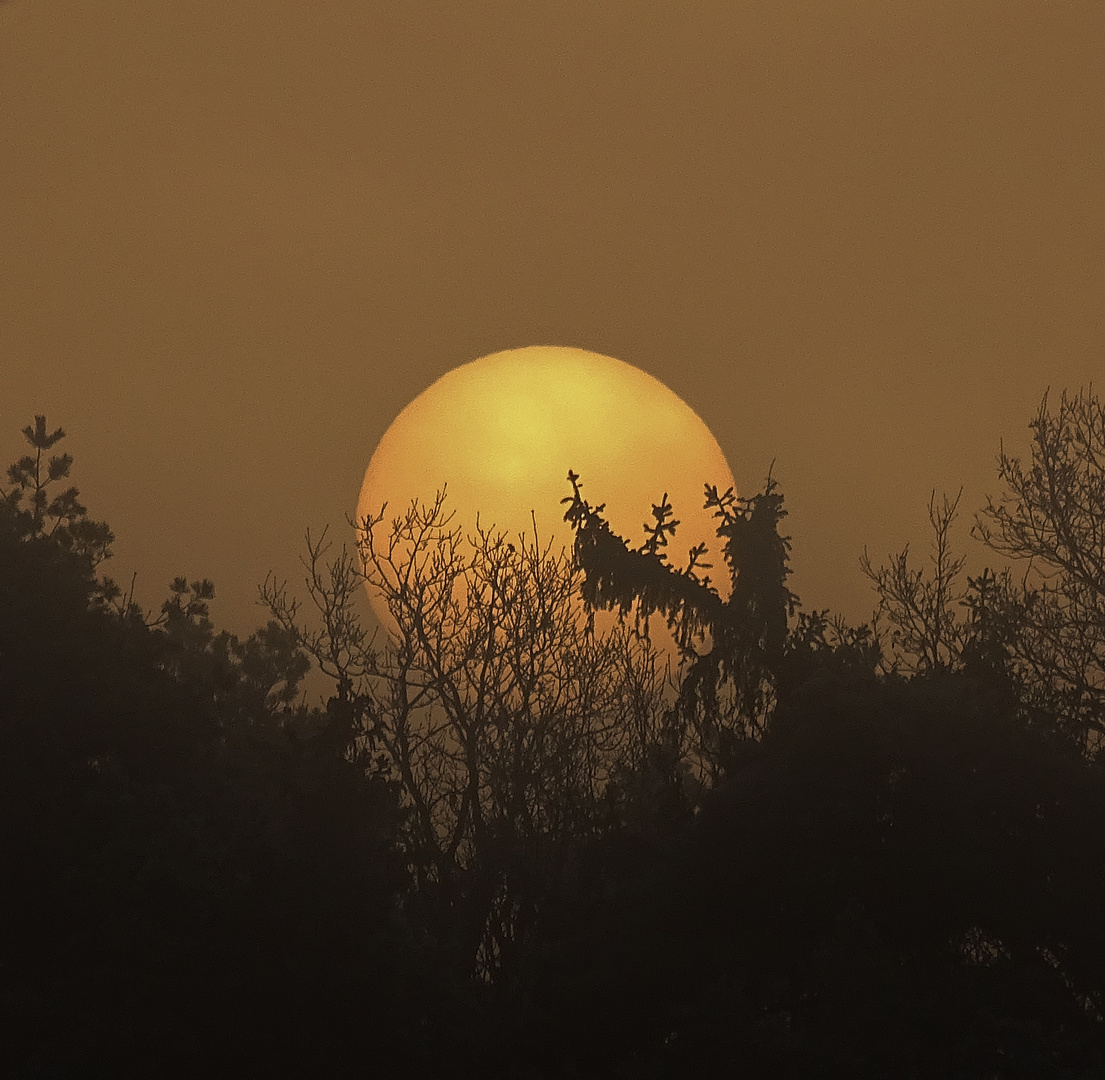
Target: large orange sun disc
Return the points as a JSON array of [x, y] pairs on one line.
[[503, 431]]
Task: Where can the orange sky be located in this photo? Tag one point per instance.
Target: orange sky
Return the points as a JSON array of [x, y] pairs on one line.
[[858, 237]]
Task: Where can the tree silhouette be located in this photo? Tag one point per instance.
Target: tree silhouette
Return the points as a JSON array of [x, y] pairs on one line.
[[192, 884], [496, 706], [875, 868], [928, 631], [1042, 632], [1050, 516], [507, 846], [729, 688], [59, 517]]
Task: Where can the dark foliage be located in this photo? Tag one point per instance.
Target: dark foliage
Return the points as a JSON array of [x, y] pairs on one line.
[[814, 860], [893, 883], [194, 882]]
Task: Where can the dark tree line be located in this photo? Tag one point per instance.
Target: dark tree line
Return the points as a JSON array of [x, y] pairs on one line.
[[522, 840], [194, 880]]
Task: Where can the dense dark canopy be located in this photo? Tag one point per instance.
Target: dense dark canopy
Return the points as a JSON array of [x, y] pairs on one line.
[[507, 846]]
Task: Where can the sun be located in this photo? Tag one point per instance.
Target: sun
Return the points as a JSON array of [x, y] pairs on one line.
[[503, 431]]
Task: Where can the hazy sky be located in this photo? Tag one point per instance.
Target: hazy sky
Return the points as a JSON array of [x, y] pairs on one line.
[[236, 238]]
